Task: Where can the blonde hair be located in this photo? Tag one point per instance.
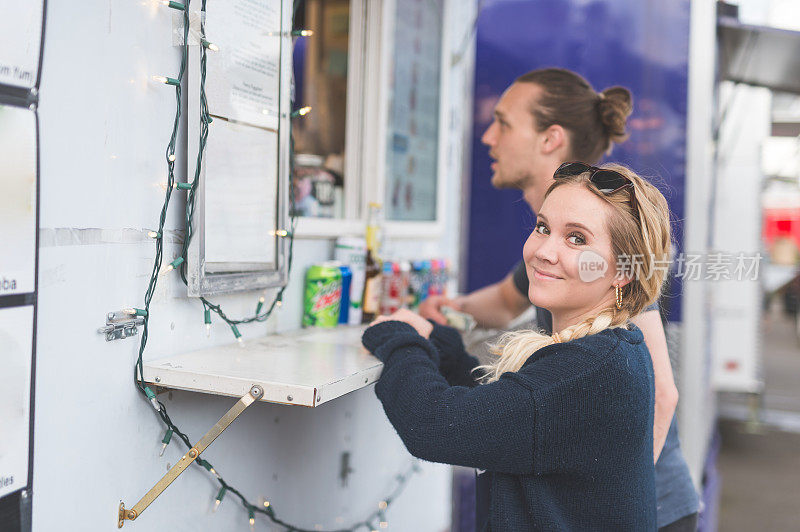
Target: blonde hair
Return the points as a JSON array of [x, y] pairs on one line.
[[642, 232]]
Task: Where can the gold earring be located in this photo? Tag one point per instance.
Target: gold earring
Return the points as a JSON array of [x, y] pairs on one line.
[[618, 294]]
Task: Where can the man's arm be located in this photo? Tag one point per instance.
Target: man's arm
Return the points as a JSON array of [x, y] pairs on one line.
[[493, 306], [666, 392]]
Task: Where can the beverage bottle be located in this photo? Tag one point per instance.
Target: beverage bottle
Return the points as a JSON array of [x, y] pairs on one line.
[[450, 279], [427, 281], [387, 301], [372, 284], [416, 284], [406, 297], [352, 251], [435, 288], [394, 290]]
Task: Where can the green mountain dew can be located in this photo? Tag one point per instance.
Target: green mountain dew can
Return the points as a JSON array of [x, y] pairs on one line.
[[323, 295]]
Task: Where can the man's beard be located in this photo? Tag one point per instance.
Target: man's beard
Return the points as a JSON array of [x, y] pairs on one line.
[[519, 181]]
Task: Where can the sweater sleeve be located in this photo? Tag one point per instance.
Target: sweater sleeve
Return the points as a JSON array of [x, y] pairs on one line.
[[455, 363], [488, 426]]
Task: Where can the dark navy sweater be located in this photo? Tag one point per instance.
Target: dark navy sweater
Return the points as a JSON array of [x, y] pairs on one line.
[[567, 439]]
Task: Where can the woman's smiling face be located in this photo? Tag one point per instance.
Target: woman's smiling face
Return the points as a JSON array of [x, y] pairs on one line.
[[568, 256]]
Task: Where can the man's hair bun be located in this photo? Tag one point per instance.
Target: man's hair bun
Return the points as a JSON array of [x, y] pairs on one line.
[[615, 105]]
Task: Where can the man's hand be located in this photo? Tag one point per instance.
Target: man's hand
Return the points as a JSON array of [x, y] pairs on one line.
[[430, 308], [422, 326]]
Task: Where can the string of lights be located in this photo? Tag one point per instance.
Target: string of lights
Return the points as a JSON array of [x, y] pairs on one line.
[[377, 519]]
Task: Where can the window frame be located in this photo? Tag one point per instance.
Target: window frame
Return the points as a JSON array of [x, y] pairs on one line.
[[370, 49], [202, 281]]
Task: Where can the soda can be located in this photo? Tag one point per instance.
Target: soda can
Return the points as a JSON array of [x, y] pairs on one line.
[[344, 306], [323, 295]]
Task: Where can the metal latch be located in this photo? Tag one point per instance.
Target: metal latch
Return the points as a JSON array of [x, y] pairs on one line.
[[120, 324]]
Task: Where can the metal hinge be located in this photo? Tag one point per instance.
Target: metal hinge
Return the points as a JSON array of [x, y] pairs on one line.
[[255, 394], [120, 324]]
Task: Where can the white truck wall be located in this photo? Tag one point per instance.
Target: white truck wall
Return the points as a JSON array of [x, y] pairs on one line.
[[736, 304], [697, 408], [104, 128]]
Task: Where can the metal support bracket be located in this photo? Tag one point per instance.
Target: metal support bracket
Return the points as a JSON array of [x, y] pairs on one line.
[[120, 324], [255, 393]]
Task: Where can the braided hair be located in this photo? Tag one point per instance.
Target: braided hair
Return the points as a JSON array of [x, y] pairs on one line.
[[642, 231]]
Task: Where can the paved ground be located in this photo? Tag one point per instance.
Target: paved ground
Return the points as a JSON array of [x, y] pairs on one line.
[[760, 465]]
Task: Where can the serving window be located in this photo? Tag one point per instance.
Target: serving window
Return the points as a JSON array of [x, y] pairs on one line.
[[372, 74], [412, 143], [320, 65]]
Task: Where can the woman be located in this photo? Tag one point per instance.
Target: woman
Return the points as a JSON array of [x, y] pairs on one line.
[[563, 423]]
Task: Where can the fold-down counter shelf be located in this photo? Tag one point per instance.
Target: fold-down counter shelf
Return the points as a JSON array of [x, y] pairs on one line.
[[306, 368]]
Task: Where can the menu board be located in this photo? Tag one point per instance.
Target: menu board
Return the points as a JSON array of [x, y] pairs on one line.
[[242, 79], [21, 25], [18, 200], [16, 344], [21, 30], [413, 132], [243, 91], [241, 193]]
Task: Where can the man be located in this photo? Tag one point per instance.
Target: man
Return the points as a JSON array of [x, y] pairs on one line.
[[545, 118]]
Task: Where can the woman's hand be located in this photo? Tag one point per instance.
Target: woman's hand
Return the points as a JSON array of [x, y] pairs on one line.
[[422, 326]]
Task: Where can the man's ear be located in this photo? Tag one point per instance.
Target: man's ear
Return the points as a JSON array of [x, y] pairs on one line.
[[553, 138]]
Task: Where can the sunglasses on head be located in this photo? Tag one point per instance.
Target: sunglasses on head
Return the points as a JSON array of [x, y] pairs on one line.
[[607, 181]]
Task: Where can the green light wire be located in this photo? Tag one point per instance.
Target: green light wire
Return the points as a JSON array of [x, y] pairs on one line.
[[205, 119]]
